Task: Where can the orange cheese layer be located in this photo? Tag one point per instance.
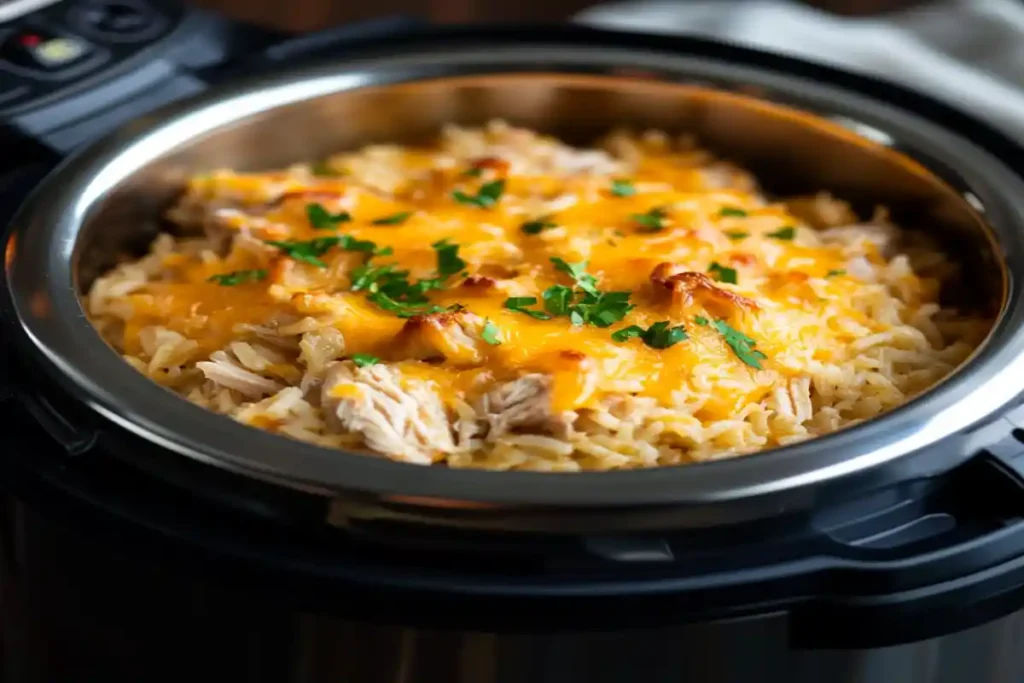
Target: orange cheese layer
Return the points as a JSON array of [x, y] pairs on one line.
[[795, 283]]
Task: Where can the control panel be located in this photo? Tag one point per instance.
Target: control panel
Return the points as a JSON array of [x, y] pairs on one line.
[[63, 46]]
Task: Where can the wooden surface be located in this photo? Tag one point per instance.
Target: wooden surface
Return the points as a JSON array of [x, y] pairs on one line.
[[305, 15]]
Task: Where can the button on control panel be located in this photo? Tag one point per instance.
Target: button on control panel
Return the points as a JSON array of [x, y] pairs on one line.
[[56, 48], [46, 51]]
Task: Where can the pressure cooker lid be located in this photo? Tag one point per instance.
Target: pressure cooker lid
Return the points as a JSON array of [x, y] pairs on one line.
[[960, 167]]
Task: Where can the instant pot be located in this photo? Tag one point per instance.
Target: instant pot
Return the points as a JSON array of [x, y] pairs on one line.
[[145, 539]]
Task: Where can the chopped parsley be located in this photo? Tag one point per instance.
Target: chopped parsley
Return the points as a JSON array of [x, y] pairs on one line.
[[722, 273], [485, 198], [558, 299], [448, 261], [309, 251], [394, 219], [652, 221], [657, 336], [741, 344], [700, 320], [322, 219], [490, 334], [603, 310], [363, 360], [785, 233], [474, 172], [737, 235], [623, 188], [538, 225], [578, 272], [835, 273], [518, 304], [238, 277], [732, 212]]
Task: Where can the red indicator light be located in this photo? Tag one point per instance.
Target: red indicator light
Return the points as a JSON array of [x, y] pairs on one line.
[[30, 40]]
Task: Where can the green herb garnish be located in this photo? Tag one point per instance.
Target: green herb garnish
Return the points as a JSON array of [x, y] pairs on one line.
[[737, 235], [537, 226], [558, 299], [623, 188], [835, 273], [486, 197], [722, 273], [474, 172], [577, 271], [322, 219], [741, 344], [238, 277], [490, 334], [363, 360], [700, 320], [657, 336], [732, 212], [785, 233], [393, 219], [652, 221], [518, 304], [448, 261], [309, 251]]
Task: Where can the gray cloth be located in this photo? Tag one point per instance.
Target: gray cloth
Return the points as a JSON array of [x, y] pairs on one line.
[[967, 52]]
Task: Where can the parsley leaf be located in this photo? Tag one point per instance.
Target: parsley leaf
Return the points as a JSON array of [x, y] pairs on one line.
[[835, 273], [363, 360], [732, 212], [627, 333], [577, 271], [623, 188], [473, 172], [322, 219], [486, 197], [657, 336], [237, 277], [737, 235], [405, 309], [518, 304], [661, 336], [785, 233], [601, 310], [722, 273], [490, 334], [652, 221], [393, 219], [309, 251], [700, 320], [741, 344], [538, 225], [557, 299], [448, 261], [372, 278]]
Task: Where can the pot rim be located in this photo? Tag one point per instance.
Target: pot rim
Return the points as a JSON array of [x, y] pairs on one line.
[[46, 227]]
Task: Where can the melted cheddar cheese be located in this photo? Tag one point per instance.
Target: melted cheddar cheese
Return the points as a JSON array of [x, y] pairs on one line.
[[764, 297]]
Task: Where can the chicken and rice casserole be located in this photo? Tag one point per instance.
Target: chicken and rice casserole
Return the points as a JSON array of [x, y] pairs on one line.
[[502, 300]]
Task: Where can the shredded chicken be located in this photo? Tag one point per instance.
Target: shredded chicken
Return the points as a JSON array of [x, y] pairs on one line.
[[222, 370], [524, 404], [403, 419]]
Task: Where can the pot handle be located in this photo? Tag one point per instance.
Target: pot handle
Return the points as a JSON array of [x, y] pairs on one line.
[[951, 560]]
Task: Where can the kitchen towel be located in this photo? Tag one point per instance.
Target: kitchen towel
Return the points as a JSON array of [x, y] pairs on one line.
[[969, 53]]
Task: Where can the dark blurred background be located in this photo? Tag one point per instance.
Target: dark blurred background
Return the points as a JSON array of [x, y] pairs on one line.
[[304, 15]]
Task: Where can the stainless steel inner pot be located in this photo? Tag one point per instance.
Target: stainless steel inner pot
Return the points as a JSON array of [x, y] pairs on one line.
[[104, 201]]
